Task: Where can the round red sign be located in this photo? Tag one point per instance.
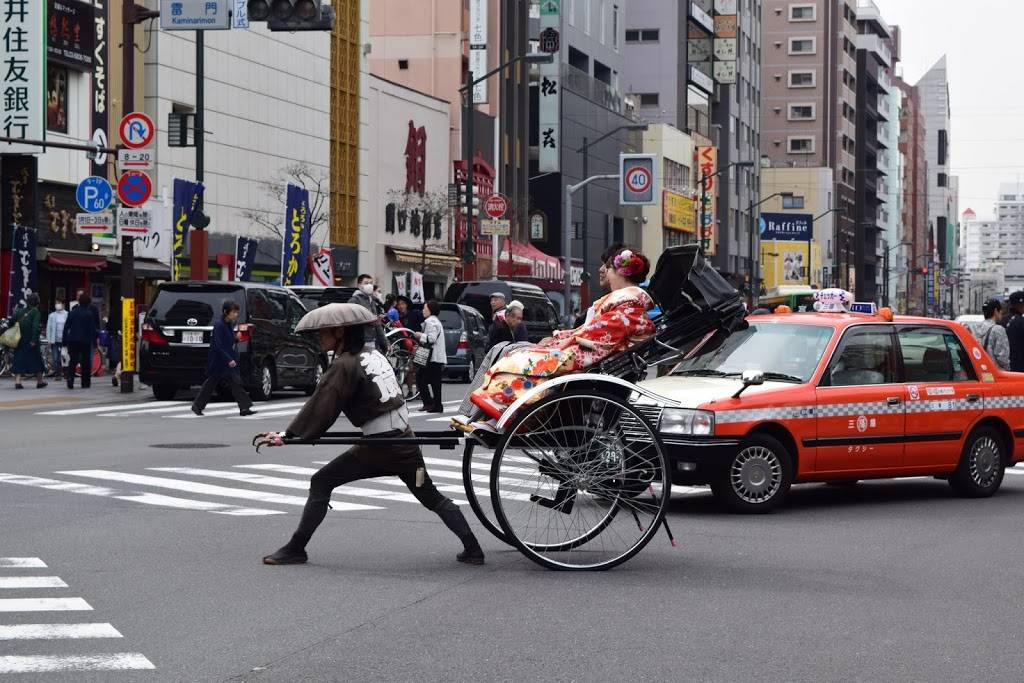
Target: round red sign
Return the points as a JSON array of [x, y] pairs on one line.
[[496, 206], [134, 188], [136, 130], [638, 179]]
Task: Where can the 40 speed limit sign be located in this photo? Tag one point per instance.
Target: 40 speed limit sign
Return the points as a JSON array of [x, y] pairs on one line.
[[637, 180]]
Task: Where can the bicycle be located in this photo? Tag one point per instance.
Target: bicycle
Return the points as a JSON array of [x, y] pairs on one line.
[[401, 349]]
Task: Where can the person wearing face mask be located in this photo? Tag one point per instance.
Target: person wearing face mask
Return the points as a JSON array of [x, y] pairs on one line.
[[55, 334], [363, 296]]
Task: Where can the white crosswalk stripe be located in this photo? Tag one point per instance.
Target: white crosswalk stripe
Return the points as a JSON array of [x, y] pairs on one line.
[[18, 582], [57, 631], [44, 605], [310, 471], [120, 407], [118, 661], [21, 563]]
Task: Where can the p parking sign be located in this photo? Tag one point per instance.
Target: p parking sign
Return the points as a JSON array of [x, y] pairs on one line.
[[637, 180]]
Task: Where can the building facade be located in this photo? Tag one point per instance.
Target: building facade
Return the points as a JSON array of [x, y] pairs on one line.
[[934, 91], [914, 211], [796, 259], [673, 220]]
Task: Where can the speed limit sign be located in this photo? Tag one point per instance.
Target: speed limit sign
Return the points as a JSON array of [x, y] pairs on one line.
[[636, 179]]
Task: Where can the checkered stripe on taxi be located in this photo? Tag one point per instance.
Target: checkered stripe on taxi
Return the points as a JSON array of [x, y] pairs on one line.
[[857, 409], [947, 406], [1004, 401]]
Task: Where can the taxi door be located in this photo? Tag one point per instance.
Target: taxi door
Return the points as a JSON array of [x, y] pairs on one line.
[[860, 406], [943, 393]]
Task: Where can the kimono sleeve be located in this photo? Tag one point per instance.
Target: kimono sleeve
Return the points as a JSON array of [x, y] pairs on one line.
[[332, 396]]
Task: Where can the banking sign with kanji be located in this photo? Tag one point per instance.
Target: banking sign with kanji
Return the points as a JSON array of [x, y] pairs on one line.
[[22, 73]]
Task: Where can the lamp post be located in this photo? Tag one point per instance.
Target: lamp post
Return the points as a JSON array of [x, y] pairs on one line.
[[468, 248], [704, 191], [755, 269], [836, 209], [585, 150]]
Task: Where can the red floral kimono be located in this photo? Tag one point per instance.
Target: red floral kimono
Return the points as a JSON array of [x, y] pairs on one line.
[[620, 320]]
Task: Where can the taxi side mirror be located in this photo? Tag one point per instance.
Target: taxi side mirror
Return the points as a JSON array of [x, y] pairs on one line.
[[750, 378]]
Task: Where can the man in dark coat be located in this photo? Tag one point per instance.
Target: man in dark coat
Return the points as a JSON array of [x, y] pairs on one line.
[[363, 296], [505, 329], [222, 364], [80, 332]]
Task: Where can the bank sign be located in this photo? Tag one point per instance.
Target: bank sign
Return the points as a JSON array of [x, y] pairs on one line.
[[791, 227]]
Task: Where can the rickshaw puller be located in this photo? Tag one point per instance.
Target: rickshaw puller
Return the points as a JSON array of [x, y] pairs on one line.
[[361, 384]]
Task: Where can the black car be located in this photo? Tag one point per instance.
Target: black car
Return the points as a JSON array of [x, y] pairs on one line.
[[176, 338], [539, 313], [315, 297], [465, 340]]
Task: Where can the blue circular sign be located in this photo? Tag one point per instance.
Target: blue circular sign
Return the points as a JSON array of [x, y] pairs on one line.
[[94, 194]]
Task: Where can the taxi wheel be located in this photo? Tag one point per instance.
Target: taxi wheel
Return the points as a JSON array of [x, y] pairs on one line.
[[757, 478], [982, 465]]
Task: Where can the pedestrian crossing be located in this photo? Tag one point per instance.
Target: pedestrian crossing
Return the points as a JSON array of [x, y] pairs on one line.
[[55, 613]]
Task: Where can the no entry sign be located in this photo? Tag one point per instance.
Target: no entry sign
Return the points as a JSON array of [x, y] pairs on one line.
[[496, 206]]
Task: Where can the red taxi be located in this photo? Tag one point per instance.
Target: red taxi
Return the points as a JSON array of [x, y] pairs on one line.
[[831, 397]]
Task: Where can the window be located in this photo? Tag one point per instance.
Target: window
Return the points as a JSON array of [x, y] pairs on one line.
[[56, 99], [649, 99], [943, 142], [802, 13], [793, 350], [934, 355], [801, 79], [642, 35], [800, 144], [801, 112], [632, 35], [868, 356], [802, 46], [792, 202], [403, 64], [586, 16], [943, 180], [615, 26]]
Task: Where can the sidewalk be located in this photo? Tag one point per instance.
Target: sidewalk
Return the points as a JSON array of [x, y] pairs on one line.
[[57, 393]]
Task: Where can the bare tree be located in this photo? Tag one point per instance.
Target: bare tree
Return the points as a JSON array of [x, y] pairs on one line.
[[313, 179]]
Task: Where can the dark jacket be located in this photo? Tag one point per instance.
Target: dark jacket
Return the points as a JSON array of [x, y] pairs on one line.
[[375, 332], [499, 332], [81, 326], [1015, 335], [412, 320], [222, 351]]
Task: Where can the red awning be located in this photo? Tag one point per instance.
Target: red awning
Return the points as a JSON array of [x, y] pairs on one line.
[[81, 261], [528, 261]]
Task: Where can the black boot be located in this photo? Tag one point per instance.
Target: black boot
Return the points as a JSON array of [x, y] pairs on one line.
[[454, 520], [286, 554], [294, 551]]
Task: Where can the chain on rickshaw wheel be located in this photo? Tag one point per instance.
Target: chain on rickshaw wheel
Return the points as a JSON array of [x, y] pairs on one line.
[[579, 481], [476, 463]]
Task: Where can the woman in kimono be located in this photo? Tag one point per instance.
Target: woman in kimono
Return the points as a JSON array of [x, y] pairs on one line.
[[619, 320]]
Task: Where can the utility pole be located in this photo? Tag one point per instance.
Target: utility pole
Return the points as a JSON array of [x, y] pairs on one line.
[[468, 246], [198, 241]]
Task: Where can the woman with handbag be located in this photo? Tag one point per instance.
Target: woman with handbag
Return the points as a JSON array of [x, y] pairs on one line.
[[28, 359], [430, 358]]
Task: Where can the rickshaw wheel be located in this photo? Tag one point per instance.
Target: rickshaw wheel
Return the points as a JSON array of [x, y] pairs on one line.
[[476, 461], [579, 481]]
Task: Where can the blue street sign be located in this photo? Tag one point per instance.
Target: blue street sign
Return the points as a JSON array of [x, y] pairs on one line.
[[94, 194]]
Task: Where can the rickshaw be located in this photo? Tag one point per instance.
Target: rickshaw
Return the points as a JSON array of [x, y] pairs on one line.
[[575, 476]]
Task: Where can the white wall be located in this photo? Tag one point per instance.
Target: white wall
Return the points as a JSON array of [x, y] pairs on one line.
[[65, 165]]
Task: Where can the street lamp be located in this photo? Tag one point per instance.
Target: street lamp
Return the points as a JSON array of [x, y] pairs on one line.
[[704, 191], [755, 282], [585, 150], [468, 248]]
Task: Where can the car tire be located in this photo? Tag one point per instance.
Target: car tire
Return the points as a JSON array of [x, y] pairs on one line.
[[757, 478], [263, 389], [982, 465], [163, 391], [318, 373], [471, 372]]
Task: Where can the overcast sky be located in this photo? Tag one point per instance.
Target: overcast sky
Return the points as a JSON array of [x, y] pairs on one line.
[[984, 44]]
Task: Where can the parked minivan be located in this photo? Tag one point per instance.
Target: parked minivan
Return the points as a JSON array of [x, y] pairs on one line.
[[539, 313], [177, 328], [315, 297], [465, 340]]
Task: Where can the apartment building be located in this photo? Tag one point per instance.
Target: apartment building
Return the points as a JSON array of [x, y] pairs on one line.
[[934, 91], [914, 206]]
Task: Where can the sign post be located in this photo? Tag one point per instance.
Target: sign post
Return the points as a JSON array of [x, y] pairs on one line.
[[128, 334]]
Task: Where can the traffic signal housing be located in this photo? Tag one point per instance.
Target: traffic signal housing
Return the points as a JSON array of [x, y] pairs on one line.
[[292, 15]]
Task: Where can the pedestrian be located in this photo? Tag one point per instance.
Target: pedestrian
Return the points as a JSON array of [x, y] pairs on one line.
[[361, 384], [113, 330], [503, 329], [363, 296], [498, 311], [410, 318], [80, 333], [28, 359], [55, 335], [222, 363], [1015, 331], [431, 358], [991, 334]]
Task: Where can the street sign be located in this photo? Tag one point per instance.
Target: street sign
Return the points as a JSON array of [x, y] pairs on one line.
[[135, 159], [195, 15], [134, 188], [636, 179], [240, 14], [491, 227], [94, 223], [94, 194], [136, 130], [549, 7], [99, 138], [496, 205], [134, 222], [550, 40]]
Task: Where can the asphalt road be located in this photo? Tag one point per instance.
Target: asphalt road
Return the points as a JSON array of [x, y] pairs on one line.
[[880, 581]]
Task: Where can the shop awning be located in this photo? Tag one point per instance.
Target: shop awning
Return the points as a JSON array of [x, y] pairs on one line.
[[528, 261], [75, 259], [416, 257], [145, 268]]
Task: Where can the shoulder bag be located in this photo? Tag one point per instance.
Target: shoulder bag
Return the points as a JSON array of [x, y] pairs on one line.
[[422, 356], [12, 335]]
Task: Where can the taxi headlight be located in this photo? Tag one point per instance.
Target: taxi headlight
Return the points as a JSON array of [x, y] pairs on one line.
[[686, 421]]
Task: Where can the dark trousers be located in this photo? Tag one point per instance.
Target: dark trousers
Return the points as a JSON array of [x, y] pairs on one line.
[[428, 379], [80, 354], [234, 382], [367, 461]]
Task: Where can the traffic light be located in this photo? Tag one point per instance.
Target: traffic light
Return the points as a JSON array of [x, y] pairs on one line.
[[292, 15], [463, 203]]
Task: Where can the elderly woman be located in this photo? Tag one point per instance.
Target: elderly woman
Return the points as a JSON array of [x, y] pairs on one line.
[[28, 359], [619, 320]]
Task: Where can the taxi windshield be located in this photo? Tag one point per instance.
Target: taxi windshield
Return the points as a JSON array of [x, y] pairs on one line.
[[782, 352]]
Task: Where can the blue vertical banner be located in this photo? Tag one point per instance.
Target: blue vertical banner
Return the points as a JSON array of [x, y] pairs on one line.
[[245, 258], [23, 267], [186, 200], [295, 247]]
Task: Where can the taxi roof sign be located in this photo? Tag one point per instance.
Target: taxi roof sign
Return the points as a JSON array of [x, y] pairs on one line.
[[833, 300], [864, 307]]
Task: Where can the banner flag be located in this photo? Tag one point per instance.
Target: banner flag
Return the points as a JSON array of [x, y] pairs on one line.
[[295, 247]]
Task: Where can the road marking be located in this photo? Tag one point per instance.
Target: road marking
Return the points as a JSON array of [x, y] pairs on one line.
[[309, 471], [31, 582], [57, 631], [206, 489], [119, 407], [1018, 472], [148, 411], [22, 563], [118, 661], [44, 605], [218, 412], [143, 498], [260, 414]]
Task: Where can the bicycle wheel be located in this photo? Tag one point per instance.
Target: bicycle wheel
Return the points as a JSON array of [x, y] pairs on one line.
[[400, 359], [476, 461], [580, 482]]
